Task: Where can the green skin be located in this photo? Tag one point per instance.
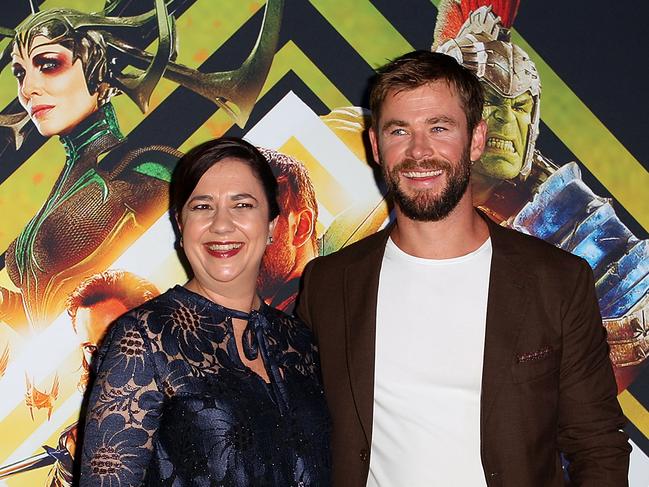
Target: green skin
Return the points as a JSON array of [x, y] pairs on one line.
[[508, 121]]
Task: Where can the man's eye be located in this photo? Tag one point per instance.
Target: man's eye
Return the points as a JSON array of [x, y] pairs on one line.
[[398, 132], [491, 101], [244, 205], [438, 129]]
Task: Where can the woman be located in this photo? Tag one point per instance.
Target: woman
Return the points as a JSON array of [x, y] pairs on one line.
[[68, 65], [206, 384]]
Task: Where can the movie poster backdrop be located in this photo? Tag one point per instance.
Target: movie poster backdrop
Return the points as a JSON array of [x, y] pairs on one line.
[[84, 191]]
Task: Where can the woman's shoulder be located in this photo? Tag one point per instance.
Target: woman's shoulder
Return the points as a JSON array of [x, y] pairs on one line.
[[155, 305], [159, 313]]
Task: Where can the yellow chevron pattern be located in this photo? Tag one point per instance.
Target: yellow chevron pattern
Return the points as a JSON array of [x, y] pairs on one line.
[[376, 40]]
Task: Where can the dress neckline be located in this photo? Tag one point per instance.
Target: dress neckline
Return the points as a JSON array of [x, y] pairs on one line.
[[235, 313]]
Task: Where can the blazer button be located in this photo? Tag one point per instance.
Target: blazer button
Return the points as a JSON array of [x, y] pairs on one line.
[[364, 454]]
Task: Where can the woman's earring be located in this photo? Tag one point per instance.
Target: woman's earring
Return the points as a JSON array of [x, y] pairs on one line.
[[181, 241], [270, 240]]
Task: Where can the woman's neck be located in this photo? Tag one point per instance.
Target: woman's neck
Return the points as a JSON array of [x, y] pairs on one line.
[[240, 299], [99, 131]]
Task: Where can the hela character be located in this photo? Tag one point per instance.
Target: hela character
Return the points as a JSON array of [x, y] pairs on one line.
[[68, 65]]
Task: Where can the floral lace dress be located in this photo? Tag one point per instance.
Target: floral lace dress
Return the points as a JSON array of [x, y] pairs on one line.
[[174, 405]]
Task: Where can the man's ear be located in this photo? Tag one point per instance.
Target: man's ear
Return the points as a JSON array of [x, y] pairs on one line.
[[374, 141], [478, 140], [304, 226]]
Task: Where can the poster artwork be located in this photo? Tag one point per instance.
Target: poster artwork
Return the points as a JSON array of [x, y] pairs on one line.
[[110, 101]]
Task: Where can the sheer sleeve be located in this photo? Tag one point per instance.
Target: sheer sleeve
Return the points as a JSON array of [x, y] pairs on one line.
[[123, 410]]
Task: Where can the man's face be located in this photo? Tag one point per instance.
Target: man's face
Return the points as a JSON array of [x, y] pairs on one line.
[[425, 149], [93, 322], [508, 121]]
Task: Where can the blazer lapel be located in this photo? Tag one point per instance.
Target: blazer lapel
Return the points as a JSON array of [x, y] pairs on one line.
[[506, 305], [361, 281]]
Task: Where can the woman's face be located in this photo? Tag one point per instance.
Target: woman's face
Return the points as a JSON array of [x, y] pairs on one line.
[[51, 88], [225, 227]]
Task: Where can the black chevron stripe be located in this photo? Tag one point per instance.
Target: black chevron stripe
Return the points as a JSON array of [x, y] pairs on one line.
[[414, 19]]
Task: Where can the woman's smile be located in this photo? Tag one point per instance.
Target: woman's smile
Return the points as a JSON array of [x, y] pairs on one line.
[[223, 250]]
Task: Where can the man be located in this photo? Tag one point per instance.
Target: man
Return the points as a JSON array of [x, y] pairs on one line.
[[93, 306], [455, 351], [295, 242]]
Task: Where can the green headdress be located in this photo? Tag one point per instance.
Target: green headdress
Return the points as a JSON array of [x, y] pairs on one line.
[[98, 39]]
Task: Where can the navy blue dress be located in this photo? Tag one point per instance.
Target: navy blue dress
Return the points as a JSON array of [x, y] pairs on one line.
[[173, 405]]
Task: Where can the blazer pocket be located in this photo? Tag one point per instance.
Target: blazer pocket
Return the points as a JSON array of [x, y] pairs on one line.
[[535, 364]]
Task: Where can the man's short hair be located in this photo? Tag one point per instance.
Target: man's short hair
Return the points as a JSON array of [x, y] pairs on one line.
[[295, 187], [419, 68], [125, 287]]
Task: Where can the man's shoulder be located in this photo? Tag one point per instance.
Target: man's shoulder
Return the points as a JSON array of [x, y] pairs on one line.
[[537, 254]]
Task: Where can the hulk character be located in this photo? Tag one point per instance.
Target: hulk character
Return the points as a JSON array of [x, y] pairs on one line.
[[519, 187]]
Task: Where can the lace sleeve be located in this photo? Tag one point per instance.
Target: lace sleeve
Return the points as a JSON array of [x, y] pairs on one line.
[[123, 410]]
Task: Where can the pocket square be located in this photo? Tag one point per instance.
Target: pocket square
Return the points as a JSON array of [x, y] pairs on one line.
[[533, 356]]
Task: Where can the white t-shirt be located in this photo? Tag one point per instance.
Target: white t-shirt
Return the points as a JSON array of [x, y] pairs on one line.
[[430, 328]]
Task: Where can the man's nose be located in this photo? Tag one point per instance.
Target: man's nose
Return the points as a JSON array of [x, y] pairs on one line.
[[420, 146], [504, 113]]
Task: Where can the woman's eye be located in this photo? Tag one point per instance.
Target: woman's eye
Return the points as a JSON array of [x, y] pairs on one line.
[[201, 206], [19, 73], [48, 64], [244, 205]]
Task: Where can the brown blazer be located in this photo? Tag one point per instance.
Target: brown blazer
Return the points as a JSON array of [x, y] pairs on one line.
[[547, 383]]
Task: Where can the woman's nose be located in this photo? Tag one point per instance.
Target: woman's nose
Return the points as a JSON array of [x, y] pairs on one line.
[[31, 85], [222, 221]]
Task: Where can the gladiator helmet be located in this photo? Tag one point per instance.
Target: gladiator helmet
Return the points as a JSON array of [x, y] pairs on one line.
[[484, 46]]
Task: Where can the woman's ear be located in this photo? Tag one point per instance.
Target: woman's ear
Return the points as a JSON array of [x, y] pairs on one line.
[[271, 226], [179, 227]]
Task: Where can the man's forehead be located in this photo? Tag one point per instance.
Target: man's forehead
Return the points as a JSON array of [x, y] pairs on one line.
[[437, 98], [437, 86]]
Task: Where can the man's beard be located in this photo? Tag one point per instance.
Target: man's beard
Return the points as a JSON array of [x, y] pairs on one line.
[[423, 205], [276, 264]]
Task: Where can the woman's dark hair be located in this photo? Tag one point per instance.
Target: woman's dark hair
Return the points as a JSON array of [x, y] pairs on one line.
[[200, 159]]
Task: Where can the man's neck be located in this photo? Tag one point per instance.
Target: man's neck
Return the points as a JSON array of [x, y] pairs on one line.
[[460, 233]]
